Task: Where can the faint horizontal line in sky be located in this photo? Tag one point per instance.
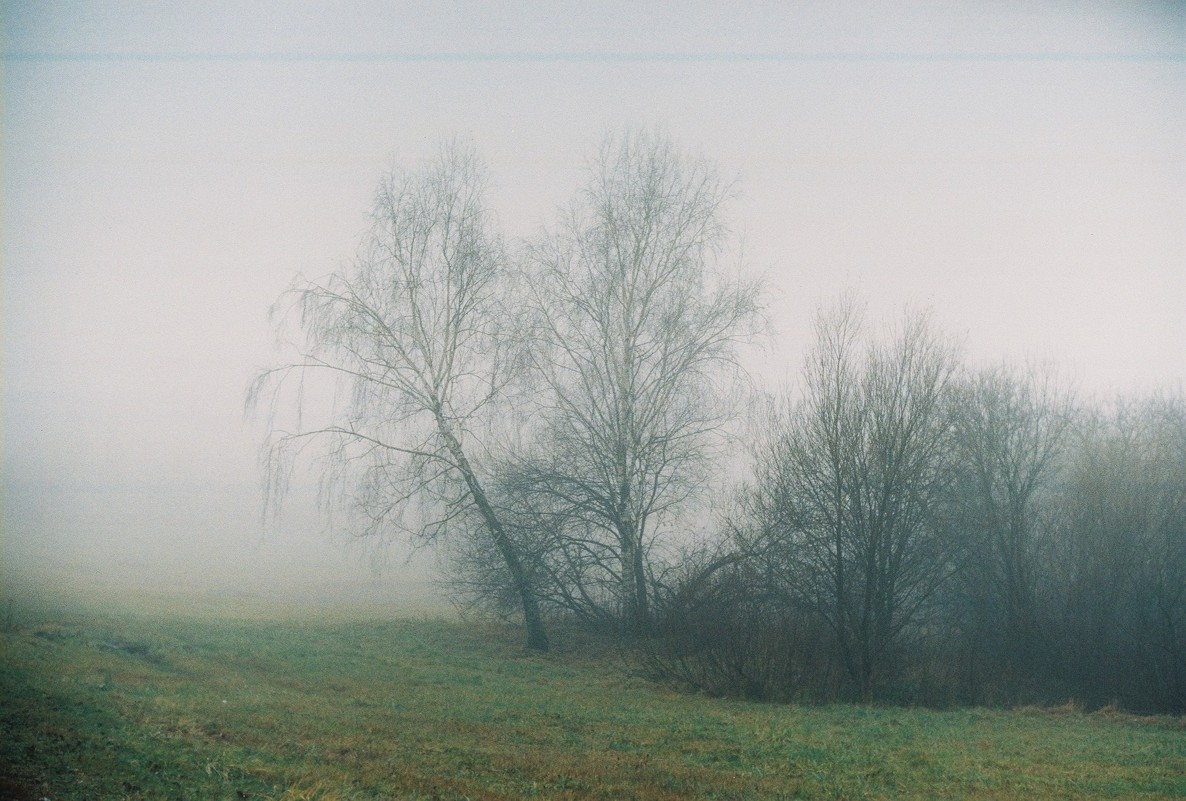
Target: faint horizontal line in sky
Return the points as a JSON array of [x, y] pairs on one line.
[[584, 57]]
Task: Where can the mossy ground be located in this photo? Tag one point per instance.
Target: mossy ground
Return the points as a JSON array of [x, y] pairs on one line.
[[227, 706]]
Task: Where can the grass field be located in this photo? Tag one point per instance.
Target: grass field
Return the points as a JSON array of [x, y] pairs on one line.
[[228, 705]]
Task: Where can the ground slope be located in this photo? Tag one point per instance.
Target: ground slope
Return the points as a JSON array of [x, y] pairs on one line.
[[221, 705]]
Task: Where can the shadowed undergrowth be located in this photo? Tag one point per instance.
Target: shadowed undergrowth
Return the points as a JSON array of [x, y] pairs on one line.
[[207, 707]]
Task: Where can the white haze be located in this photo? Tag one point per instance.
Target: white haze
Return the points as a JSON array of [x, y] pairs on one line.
[[168, 169]]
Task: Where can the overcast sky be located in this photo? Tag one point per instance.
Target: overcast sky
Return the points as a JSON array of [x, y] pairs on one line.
[[168, 169]]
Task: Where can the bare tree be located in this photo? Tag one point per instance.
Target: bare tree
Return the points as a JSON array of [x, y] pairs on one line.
[[850, 488], [1122, 567], [413, 331], [633, 328], [1011, 429]]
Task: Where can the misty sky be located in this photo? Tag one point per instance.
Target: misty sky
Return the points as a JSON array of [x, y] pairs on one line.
[[169, 168]]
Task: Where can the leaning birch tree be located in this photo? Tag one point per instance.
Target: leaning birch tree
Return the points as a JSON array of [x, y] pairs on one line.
[[412, 331]]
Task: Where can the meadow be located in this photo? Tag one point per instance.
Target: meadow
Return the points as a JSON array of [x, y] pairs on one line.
[[223, 702]]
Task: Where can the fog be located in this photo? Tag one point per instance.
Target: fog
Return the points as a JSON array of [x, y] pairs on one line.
[[169, 170]]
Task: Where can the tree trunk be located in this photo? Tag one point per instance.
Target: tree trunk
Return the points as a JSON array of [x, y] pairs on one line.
[[635, 614], [636, 617], [537, 637]]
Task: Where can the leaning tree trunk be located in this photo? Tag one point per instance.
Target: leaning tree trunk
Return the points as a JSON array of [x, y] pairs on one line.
[[537, 637]]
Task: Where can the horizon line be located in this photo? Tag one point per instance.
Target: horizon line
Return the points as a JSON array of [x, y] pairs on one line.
[[589, 57]]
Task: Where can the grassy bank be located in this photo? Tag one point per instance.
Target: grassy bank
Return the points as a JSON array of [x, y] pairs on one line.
[[238, 706]]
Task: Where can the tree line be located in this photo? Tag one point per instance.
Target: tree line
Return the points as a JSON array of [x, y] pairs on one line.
[[922, 531], [559, 412]]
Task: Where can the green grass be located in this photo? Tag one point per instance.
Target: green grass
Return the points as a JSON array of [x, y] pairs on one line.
[[225, 706]]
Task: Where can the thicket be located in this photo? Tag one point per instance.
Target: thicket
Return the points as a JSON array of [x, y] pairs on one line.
[[998, 543]]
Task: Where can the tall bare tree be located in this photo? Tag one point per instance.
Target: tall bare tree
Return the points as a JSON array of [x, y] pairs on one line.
[[1011, 428], [413, 330], [1122, 566], [850, 487], [634, 324]]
